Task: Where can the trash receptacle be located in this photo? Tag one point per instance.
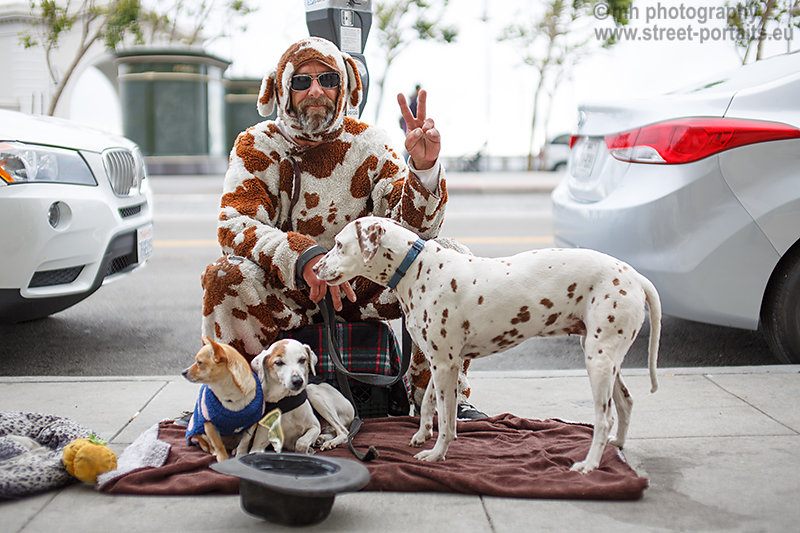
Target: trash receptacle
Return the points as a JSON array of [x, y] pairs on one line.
[[173, 107], [241, 109]]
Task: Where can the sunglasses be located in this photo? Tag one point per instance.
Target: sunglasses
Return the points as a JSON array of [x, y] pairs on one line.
[[326, 80]]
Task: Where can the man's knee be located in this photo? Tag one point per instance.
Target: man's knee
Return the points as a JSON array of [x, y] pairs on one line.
[[229, 277]]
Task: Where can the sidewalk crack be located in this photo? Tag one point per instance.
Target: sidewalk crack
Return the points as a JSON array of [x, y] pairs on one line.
[[137, 413], [486, 513], [712, 380], [41, 509]]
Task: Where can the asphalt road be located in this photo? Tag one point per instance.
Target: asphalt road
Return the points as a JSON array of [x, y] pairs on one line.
[[149, 322]]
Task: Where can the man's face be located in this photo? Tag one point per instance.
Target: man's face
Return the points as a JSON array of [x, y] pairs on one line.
[[315, 106]]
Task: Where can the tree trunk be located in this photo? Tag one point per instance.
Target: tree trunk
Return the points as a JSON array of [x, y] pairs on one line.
[[379, 96], [68, 74], [534, 119], [762, 33]]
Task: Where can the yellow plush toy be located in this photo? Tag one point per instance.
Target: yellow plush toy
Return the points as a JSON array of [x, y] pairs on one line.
[[87, 458]]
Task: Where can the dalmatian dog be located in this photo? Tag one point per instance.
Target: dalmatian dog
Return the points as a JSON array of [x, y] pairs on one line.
[[461, 307]]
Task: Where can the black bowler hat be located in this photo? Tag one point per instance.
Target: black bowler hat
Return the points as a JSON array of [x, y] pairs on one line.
[[290, 488]]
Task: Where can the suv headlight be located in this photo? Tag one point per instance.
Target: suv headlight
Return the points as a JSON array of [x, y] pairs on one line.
[[141, 167], [30, 163]]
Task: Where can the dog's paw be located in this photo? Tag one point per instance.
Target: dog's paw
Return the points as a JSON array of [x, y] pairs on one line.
[[420, 437], [327, 445], [221, 457], [430, 456], [583, 467], [613, 441], [304, 447], [332, 443]]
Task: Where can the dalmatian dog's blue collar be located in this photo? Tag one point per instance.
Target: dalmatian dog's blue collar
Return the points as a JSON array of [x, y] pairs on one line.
[[412, 254]]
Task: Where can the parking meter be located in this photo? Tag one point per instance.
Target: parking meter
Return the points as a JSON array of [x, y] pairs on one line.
[[345, 23]]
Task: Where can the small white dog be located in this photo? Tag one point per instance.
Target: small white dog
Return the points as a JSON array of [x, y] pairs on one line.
[[461, 307], [283, 370]]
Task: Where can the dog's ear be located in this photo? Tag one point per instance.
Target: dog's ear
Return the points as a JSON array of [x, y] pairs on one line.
[[257, 366], [217, 349], [268, 94], [312, 359], [354, 88], [369, 238], [240, 371]]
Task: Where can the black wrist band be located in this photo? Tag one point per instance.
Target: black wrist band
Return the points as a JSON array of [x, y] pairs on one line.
[[305, 257]]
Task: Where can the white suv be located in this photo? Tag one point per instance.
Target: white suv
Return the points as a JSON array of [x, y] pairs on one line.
[[75, 212]]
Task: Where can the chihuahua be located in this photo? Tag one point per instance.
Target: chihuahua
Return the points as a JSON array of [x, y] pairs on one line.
[[230, 403]]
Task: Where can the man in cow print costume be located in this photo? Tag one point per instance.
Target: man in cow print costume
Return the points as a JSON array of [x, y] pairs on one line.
[[293, 183]]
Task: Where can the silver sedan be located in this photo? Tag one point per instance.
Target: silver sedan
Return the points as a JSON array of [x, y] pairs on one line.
[[699, 190]]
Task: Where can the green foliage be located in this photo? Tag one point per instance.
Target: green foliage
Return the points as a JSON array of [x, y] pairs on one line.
[[399, 23], [110, 22], [53, 18], [194, 21], [753, 22], [123, 18], [553, 40], [619, 9], [549, 37]]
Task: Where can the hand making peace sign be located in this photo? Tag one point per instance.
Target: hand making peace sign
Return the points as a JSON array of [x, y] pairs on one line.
[[423, 141]]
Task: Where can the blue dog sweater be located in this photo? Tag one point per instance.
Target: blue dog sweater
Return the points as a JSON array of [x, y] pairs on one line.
[[209, 409]]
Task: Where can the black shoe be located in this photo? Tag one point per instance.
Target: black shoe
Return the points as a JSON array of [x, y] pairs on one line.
[[467, 411], [183, 420]]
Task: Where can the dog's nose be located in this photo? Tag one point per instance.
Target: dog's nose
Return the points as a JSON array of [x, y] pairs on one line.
[[297, 382]]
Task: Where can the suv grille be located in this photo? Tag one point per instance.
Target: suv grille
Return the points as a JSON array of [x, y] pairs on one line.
[[120, 167], [48, 278], [122, 253], [133, 210]]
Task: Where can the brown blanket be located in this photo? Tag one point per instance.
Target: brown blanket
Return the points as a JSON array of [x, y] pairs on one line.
[[503, 456]]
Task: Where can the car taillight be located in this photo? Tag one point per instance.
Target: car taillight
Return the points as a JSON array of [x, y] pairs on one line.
[[691, 139]]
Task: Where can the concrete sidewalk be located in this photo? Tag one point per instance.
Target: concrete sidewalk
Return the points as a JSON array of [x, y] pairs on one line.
[[719, 445]]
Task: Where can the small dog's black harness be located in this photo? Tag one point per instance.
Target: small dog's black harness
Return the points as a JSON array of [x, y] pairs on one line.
[[289, 403]]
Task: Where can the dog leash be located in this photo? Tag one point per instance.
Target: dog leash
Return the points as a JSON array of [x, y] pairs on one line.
[[287, 225], [342, 373], [326, 306]]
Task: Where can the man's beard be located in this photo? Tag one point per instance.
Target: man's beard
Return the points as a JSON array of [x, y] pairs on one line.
[[315, 121]]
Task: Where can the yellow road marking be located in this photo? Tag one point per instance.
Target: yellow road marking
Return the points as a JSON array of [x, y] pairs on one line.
[[534, 239]]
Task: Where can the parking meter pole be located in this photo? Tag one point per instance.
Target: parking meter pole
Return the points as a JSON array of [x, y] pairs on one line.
[[345, 23]]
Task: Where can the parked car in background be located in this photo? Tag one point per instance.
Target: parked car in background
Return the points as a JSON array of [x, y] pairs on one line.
[[75, 212], [699, 190], [555, 154]]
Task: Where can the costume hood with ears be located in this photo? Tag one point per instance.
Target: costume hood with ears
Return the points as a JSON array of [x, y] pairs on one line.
[[275, 88]]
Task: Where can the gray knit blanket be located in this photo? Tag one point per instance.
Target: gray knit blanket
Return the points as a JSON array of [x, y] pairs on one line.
[[31, 445]]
